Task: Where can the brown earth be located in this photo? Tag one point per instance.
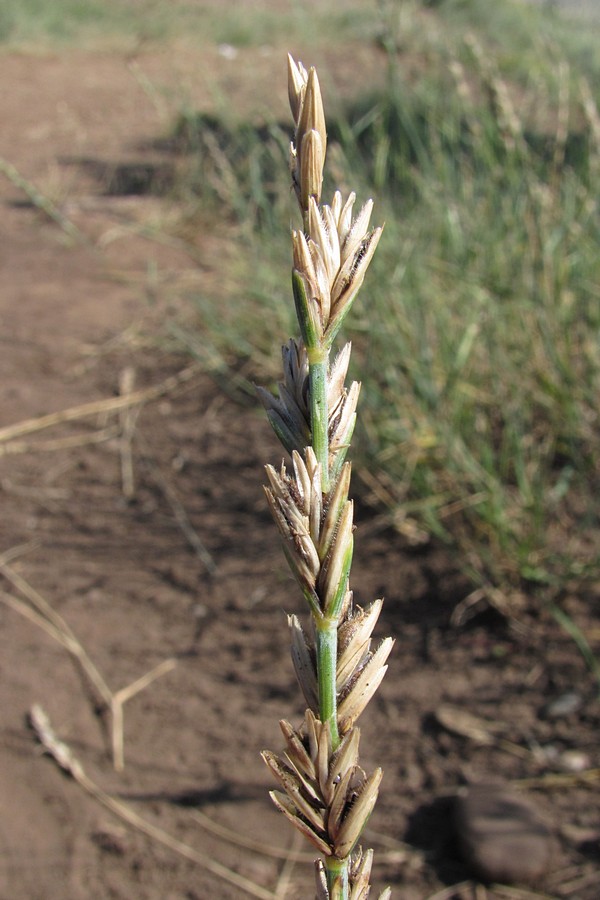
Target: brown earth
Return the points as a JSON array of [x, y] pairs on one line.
[[188, 567]]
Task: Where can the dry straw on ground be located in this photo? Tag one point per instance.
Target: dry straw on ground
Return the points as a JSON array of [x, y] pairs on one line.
[[326, 794]]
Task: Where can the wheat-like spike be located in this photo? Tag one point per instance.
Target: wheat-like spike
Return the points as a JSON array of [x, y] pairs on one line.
[[332, 264], [326, 794], [288, 413]]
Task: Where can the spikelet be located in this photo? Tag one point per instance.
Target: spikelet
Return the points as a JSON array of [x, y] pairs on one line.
[[327, 795], [330, 262], [318, 546], [307, 152], [359, 671]]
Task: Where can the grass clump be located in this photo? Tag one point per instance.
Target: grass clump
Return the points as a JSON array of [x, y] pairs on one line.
[[482, 413], [478, 353], [65, 22]]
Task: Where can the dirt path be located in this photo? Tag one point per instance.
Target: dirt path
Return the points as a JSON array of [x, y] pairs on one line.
[[131, 578]]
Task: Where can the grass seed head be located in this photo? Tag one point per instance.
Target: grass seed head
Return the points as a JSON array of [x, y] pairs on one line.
[[326, 794]]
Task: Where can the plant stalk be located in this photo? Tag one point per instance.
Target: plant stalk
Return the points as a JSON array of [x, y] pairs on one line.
[[318, 364], [337, 877], [326, 646]]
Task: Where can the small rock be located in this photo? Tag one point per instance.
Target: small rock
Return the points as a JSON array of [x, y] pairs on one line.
[[227, 51], [501, 835], [562, 706], [574, 761]]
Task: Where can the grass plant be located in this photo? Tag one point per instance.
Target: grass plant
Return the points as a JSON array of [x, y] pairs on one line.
[[89, 22], [326, 794], [478, 351], [489, 343]]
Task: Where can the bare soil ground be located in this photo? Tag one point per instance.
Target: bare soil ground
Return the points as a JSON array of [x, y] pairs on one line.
[[188, 568]]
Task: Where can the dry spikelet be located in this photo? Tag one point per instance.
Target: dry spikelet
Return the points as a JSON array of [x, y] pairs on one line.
[[284, 805], [304, 663], [363, 686], [334, 505], [307, 152], [358, 815], [354, 641], [326, 795]]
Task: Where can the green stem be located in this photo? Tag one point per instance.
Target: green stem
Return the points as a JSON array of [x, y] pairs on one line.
[[318, 364], [327, 634], [337, 877], [327, 628]]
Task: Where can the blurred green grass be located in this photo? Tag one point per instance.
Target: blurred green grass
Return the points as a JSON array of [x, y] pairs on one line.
[[78, 22], [477, 333]]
